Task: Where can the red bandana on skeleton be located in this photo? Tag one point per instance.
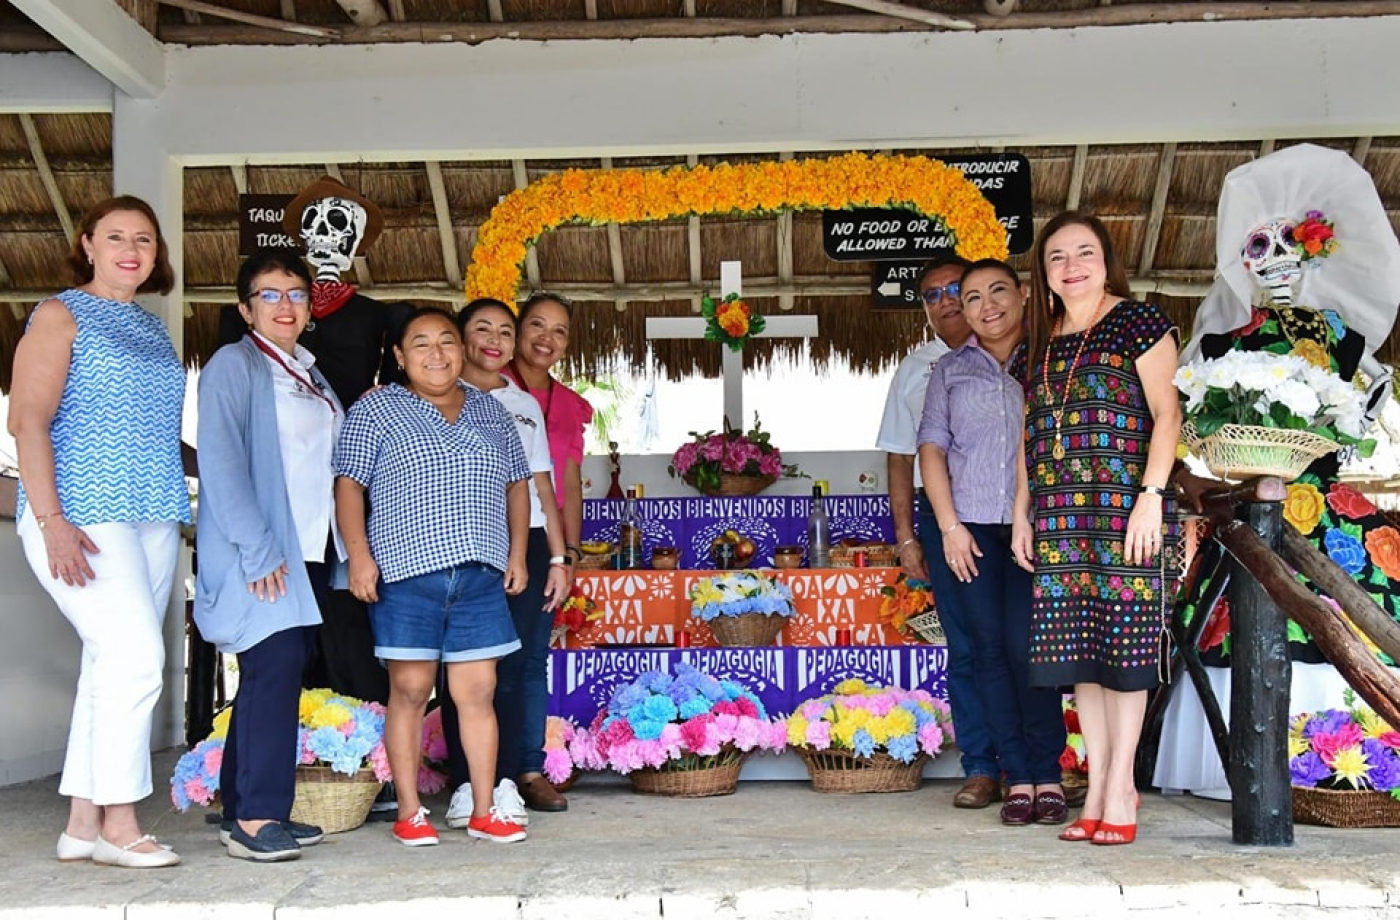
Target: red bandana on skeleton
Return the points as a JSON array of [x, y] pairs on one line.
[[329, 296]]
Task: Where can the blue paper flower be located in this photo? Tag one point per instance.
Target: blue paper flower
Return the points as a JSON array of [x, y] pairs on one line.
[[1346, 551]]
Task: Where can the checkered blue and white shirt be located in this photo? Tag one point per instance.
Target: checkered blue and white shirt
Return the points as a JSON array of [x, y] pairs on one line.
[[437, 492]]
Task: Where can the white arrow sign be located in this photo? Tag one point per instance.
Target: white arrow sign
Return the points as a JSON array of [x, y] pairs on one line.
[[889, 289]]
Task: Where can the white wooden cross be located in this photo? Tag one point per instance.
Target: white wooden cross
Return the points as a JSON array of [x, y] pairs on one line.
[[732, 366]]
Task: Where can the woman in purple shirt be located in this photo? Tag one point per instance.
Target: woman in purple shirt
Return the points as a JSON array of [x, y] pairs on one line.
[[971, 458]]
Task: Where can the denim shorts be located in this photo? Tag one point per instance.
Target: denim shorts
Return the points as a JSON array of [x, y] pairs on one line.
[[455, 614]]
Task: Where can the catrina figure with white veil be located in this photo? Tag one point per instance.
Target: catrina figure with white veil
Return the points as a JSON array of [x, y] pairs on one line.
[[1308, 266]]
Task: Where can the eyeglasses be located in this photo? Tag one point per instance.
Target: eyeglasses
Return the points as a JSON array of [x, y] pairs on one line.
[[933, 295], [272, 297]]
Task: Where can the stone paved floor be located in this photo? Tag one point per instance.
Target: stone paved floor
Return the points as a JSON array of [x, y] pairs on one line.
[[773, 850]]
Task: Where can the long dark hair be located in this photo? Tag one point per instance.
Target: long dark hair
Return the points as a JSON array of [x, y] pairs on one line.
[[1045, 308]]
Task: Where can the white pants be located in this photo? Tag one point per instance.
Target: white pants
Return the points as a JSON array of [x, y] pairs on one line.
[[119, 615]]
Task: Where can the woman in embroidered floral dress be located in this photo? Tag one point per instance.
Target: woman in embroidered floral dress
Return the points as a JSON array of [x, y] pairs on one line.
[[1102, 421]]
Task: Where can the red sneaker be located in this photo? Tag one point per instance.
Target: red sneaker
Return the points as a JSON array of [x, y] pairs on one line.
[[495, 827], [416, 831]]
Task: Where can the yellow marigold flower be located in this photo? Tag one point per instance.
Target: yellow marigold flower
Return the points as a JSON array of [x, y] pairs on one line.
[[221, 720], [850, 685], [1303, 507]]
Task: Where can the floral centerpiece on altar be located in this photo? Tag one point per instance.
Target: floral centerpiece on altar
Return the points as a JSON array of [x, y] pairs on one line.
[[577, 611], [689, 722], [730, 321], [1259, 413], [341, 733], [907, 605], [731, 462], [742, 608], [869, 738], [1345, 767]]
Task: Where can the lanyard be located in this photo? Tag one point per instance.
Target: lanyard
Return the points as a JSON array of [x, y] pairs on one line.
[[312, 387], [549, 400]]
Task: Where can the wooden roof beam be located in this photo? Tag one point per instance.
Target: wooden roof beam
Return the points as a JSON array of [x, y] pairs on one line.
[[363, 12], [619, 273], [1194, 283], [291, 27], [446, 234], [590, 9], [1076, 177], [493, 9], [41, 163], [1159, 208], [521, 175], [692, 236], [104, 36], [1361, 149], [785, 301], [900, 11]]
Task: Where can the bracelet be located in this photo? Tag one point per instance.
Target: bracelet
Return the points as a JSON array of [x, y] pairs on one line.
[[558, 560], [42, 519], [1152, 490], [947, 530], [900, 548]]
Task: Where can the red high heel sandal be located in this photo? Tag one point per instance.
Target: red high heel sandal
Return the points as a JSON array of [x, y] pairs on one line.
[[1114, 835], [1081, 830]]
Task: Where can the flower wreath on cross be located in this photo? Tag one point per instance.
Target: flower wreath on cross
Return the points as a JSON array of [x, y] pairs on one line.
[[624, 196]]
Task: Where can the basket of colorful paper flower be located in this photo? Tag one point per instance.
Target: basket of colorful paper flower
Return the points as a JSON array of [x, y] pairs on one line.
[[1345, 766], [341, 763], [863, 738], [743, 609], [907, 605], [683, 735]]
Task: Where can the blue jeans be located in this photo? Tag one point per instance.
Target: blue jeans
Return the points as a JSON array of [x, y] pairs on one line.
[[974, 737], [1027, 725]]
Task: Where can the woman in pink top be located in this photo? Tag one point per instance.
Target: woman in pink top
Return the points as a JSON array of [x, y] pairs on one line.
[[543, 339]]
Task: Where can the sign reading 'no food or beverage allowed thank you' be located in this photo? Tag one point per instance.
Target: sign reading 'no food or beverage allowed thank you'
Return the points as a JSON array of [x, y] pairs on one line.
[[891, 234]]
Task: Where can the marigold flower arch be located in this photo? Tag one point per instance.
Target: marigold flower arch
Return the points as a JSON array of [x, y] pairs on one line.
[[624, 196]]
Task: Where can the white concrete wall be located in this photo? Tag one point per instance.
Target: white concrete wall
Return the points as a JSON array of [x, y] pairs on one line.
[[39, 671]]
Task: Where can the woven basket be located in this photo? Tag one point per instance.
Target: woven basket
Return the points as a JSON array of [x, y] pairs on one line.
[[594, 561], [835, 770], [747, 629], [731, 484], [1345, 808], [1240, 451], [333, 801], [878, 555], [928, 627], [688, 784]]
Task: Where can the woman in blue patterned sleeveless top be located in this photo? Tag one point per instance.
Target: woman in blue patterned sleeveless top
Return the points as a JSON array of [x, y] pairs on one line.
[[95, 411]]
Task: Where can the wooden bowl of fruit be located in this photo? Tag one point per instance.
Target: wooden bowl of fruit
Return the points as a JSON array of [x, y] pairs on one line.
[[732, 550]]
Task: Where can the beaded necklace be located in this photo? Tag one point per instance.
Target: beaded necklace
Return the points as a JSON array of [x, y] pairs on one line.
[[1058, 451]]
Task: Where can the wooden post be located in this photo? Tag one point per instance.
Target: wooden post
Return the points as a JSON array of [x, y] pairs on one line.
[[1260, 673]]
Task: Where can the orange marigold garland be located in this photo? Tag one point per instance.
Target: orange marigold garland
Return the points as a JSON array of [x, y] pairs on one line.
[[624, 196]]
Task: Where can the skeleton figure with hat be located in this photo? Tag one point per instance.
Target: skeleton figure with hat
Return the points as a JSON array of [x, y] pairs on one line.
[[1307, 265]]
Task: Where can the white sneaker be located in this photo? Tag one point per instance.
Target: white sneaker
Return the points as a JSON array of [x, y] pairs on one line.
[[508, 802], [459, 810]]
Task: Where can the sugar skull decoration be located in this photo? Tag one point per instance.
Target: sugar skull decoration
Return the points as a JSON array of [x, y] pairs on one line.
[[335, 223], [1275, 253]]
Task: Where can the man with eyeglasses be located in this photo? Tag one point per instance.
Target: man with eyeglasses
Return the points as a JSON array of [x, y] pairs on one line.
[[939, 289]]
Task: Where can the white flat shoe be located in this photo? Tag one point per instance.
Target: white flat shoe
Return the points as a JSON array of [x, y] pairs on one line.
[[109, 854], [74, 849]]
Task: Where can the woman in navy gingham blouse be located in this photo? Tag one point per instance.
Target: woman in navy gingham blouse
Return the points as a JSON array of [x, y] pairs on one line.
[[446, 480]]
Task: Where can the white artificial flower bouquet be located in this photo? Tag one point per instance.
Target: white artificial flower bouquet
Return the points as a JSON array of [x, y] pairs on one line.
[[1227, 400]]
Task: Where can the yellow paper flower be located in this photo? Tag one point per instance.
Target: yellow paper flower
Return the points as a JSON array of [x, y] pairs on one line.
[[850, 685], [1350, 765], [311, 700], [221, 720], [329, 716]]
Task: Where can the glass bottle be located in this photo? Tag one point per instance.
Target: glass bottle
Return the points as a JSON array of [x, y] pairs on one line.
[[818, 533], [629, 535]]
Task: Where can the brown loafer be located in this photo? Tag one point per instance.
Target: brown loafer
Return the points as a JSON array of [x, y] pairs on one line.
[[977, 792], [540, 795]]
